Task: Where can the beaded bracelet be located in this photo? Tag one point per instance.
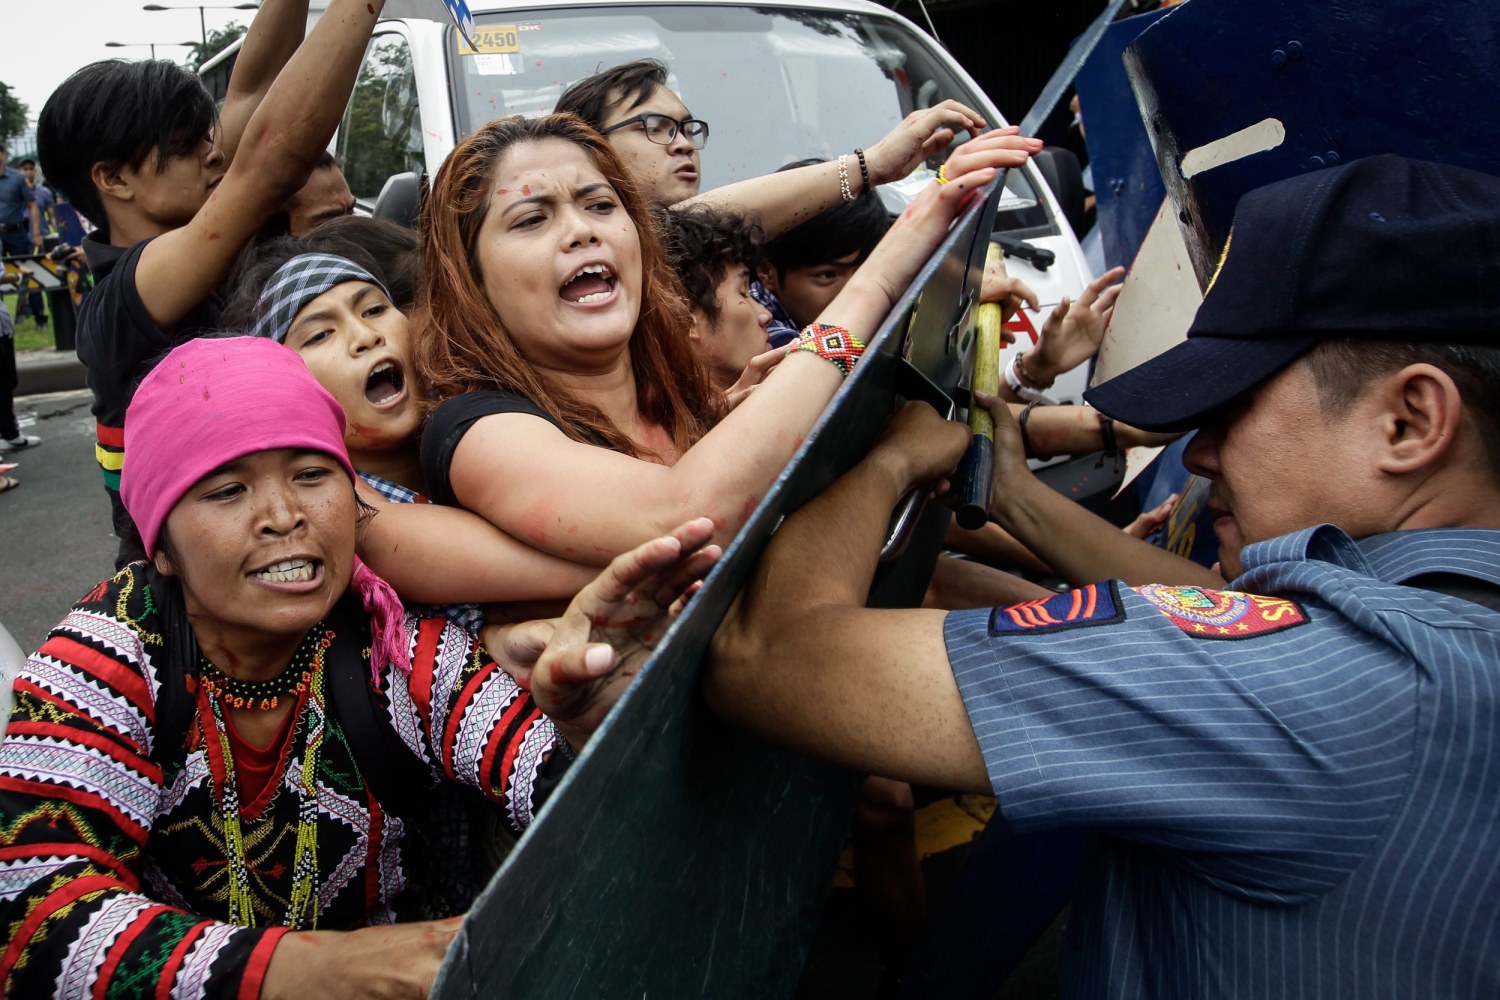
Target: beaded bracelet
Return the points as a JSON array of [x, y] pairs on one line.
[[844, 190], [833, 343], [864, 168]]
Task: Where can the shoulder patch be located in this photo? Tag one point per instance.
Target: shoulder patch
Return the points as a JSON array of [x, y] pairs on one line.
[[1096, 604], [1223, 614]]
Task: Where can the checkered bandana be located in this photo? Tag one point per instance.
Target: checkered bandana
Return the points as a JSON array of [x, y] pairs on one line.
[[299, 281]]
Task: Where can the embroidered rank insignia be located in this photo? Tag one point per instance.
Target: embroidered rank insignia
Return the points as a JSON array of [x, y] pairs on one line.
[[1223, 614], [1096, 604]]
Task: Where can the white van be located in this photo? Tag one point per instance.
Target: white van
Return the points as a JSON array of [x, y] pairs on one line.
[[777, 82]]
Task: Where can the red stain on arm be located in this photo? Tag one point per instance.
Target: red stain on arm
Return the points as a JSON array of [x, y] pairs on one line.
[[526, 190]]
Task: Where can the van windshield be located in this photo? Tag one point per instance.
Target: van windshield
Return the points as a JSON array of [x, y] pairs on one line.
[[776, 85]]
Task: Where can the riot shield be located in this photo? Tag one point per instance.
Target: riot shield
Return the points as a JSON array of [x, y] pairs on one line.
[[680, 857]]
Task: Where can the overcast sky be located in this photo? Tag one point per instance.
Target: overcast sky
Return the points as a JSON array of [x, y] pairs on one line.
[[42, 41]]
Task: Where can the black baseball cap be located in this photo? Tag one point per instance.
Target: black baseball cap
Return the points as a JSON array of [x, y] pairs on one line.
[[1382, 248]]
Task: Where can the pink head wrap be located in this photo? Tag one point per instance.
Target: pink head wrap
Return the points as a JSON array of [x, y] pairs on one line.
[[213, 400]]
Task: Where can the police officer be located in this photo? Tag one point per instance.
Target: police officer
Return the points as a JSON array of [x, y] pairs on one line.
[[1296, 777]]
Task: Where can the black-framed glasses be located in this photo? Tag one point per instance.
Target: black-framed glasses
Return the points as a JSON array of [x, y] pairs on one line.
[[662, 129]]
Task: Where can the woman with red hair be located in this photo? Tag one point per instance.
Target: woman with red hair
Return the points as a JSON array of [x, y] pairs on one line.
[[574, 415]]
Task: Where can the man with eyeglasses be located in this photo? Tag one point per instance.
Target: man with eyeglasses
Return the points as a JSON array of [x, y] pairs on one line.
[[658, 140], [649, 127]]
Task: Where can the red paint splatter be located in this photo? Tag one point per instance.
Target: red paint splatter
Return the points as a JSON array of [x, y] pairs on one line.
[[371, 8], [748, 509], [526, 190], [573, 531], [213, 236], [502, 191]]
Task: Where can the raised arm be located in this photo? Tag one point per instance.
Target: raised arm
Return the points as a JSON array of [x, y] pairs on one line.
[[800, 660], [285, 136], [788, 198], [275, 32], [1080, 546], [586, 504]]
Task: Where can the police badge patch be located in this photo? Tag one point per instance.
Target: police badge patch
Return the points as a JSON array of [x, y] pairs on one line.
[[1223, 614], [1096, 604]]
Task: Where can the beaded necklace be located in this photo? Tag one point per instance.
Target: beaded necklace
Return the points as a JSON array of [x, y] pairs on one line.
[[264, 695], [313, 718]]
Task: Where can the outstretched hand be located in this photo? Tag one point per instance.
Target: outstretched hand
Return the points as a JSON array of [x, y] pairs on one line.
[[926, 221], [920, 135], [600, 643], [1073, 332]]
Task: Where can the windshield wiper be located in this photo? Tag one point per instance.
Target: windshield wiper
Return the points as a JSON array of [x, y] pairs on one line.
[[1013, 246]]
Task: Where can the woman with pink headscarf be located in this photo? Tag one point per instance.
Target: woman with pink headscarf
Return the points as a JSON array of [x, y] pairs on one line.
[[208, 781]]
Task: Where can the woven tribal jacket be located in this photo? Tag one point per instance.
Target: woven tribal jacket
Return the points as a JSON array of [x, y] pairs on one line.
[[113, 878]]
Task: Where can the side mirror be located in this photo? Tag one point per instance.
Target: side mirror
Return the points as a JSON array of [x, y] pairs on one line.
[[1059, 168], [400, 200]]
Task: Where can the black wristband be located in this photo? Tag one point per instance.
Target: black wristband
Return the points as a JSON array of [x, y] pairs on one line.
[[1021, 421], [1111, 444], [864, 168]]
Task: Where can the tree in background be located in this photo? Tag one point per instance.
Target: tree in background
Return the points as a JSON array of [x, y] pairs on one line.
[[218, 40], [12, 114]]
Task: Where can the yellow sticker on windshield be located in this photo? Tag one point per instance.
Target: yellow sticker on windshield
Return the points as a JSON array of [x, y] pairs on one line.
[[491, 39]]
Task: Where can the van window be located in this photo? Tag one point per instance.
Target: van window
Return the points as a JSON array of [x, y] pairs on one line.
[[381, 133], [774, 84]]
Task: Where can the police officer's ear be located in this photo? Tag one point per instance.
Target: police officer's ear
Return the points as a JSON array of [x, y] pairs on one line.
[[1421, 419]]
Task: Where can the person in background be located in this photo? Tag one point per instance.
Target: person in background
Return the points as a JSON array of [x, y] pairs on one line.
[[11, 438], [659, 141], [20, 221], [715, 255]]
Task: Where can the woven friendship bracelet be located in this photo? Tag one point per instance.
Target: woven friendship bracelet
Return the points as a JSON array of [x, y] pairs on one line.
[[831, 342], [845, 191], [942, 177]]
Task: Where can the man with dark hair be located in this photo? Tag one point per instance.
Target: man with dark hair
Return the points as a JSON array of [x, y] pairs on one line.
[[175, 195], [651, 130], [1293, 780], [32, 303], [715, 255], [658, 140], [805, 267], [20, 224], [325, 196]]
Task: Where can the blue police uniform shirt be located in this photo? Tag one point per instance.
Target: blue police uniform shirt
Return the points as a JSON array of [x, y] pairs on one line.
[[1298, 794], [15, 195]]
